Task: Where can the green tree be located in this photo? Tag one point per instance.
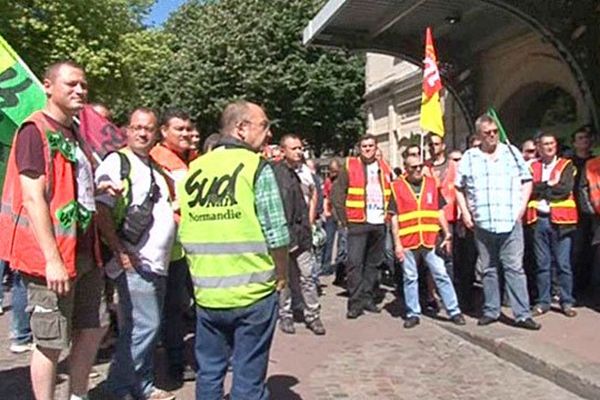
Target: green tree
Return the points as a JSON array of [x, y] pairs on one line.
[[228, 49], [97, 34]]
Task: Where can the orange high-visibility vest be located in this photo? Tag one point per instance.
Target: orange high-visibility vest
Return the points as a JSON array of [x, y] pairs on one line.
[[447, 189], [418, 219], [561, 211], [355, 197], [19, 245], [592, 172]]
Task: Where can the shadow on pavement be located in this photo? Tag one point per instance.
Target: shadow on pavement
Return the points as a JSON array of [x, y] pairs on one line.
[[280, 387], [15, 384]]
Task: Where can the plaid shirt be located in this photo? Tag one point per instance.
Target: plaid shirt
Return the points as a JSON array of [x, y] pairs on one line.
[[493, 187], [269, 209]]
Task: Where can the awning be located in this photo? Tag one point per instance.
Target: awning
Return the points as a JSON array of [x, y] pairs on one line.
[[461, 28]]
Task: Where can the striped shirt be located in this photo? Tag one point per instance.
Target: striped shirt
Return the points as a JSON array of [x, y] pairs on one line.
[[493, 187], [269, 209]]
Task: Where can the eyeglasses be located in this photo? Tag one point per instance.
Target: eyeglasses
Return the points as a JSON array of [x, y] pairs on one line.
[[490, 132], [264, 124], [415, 167], [457, 159], [529, 151]]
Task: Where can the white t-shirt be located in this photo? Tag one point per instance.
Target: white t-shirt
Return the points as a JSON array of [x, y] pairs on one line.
[[154, 248], [543, 204], [374, 195], [306, 182]]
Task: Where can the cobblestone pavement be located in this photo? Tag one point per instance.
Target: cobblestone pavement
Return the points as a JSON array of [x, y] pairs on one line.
[[372, 357]]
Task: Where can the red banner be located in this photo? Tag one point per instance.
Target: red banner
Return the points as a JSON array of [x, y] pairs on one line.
[[431, 76], [98, 133]]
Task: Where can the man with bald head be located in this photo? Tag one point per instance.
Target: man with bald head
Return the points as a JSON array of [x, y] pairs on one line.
[[235, 235]]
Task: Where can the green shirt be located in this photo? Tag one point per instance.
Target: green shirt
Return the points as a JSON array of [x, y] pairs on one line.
[[269, 209]]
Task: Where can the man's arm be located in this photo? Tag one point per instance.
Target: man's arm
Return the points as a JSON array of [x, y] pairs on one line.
[[109, 233], [312, 208], [584, 194], [467, 218], [270, 213], [398, 249], [525, 194], [34, 201], [338, 197]]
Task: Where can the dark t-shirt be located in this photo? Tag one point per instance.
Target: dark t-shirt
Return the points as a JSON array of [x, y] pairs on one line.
[[29, 151], [31, 162]]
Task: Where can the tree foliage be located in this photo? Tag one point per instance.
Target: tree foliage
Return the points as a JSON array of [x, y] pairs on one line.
[[96, 34], [228, 49], [208, 53]]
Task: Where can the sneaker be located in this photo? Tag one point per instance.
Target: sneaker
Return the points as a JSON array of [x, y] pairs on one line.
[[411, 322], [529, 324], [458, 319], [372, 308], [538, 310], [354, 313], [94, 373], [287, 326], [18, 348], [483, 321], [1, 310], [569, 311], [159, 394], [316, 326]]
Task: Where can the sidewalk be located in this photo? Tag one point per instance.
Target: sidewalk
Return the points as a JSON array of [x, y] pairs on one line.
[[374, 357], [565, 351]]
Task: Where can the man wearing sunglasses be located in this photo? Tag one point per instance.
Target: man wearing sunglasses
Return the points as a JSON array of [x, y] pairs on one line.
[[493, 187], [417, 205]]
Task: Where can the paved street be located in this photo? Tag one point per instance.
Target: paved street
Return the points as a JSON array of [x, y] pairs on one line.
[[369, 358]]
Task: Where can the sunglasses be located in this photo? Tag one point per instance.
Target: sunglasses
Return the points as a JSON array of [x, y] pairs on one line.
[[490, 132], [415, 167]]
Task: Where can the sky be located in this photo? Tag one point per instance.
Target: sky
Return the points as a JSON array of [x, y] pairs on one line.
[[161, 10]]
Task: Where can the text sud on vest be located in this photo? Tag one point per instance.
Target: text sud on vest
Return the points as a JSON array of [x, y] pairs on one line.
[[219, 193]]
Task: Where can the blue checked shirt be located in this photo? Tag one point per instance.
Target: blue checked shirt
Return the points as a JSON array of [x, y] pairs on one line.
[[493, 187]]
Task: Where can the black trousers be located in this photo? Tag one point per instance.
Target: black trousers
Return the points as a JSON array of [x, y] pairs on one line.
[[366, 245]]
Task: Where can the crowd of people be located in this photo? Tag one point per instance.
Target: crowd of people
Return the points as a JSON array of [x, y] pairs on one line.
[[239, 236]]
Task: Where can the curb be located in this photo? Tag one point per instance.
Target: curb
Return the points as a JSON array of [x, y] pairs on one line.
[[567, 376]]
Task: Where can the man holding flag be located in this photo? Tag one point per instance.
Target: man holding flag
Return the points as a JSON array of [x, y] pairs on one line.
[[493, 187], [47, 212]]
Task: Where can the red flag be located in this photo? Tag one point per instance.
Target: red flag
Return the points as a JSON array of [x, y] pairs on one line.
[[100, 135], [431, 119]]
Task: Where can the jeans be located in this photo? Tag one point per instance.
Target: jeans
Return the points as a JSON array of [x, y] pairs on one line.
[[300, 266], [548, 243], [20, 331], [442, 281], [326, 260], [245, 333], [141, 297], [366, 244], [177, 303], [506, 250]]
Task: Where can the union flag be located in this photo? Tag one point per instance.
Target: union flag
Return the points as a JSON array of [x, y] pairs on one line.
[[431, 110]]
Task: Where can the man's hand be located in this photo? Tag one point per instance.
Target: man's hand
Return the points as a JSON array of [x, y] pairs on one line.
[[468, 220], [126, 259], [113, 189], [447, 244], [281, 284], [57, 278], [399, 251], [553, 181], [521, 213]]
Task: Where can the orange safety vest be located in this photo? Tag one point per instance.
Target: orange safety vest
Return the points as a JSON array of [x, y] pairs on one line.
[[418, 219], [561, 211], [592, 172], [20, 247], [447, 189], [355, 197]]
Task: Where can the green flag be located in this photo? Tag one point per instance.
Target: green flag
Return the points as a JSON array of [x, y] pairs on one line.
[[21, 94], [503, 137]]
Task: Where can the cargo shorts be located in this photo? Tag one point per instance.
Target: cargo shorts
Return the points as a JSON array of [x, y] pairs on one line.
[[54, 317]]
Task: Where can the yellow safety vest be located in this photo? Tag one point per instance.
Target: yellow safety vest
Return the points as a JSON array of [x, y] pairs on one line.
[[225, 247]]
